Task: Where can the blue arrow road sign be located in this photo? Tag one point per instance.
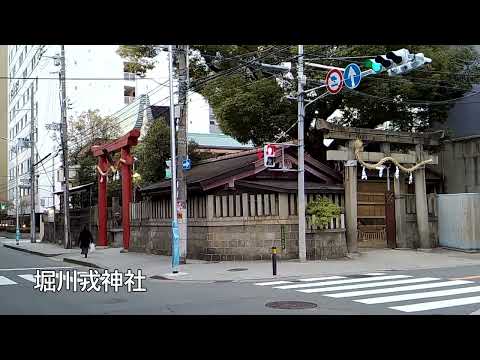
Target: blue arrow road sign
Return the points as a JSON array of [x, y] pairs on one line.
[[352, 76], [187, 164]]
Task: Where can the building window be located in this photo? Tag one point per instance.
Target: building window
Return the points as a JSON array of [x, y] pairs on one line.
[[128, 94], [42, 202]]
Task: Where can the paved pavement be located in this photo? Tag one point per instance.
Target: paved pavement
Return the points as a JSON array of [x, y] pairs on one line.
[[195, 270]]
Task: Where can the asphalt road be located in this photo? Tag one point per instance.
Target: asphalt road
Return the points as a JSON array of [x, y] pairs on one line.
[[436, 291]]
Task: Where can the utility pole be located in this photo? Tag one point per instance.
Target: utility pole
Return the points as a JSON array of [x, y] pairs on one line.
[[17, 230], [302, 251], [53, 197], [32, 169], [182, 61], [175, 235], [66, 176]]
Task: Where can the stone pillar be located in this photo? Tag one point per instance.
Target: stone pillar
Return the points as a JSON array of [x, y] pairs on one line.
[[350, 183], [399, 188], [421, 202]]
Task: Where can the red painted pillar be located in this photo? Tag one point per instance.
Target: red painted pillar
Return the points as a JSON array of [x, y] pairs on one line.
[[126, 159], [102, 202]]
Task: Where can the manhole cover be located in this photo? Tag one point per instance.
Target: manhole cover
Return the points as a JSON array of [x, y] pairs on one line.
[[158, 277], [291, 305], [237, 269]]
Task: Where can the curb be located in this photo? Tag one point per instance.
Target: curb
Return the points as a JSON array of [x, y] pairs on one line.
[[14, 247], [83, 263]]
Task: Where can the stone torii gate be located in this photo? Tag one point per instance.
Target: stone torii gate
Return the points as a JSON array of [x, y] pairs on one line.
[[385, 138], [105, 162]]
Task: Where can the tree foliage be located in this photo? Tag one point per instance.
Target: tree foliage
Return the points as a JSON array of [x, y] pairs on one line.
[[322, 210], [250, 104], [88, 129]]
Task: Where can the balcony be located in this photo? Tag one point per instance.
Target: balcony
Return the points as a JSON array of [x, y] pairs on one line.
[[128, 99]]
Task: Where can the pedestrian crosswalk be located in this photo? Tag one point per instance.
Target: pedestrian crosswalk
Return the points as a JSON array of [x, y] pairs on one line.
[[405, 293], [13, 279]]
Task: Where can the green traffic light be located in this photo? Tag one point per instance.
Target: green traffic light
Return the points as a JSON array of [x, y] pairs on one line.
[[371, 64]]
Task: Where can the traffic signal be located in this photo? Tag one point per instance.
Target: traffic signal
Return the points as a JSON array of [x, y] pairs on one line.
[[388, 60], [269, 155], [414, 61]]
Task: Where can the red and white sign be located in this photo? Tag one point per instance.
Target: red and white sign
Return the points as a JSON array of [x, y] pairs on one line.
[[334, 81]]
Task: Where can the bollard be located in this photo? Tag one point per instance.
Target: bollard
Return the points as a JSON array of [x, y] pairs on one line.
[[274, 260]]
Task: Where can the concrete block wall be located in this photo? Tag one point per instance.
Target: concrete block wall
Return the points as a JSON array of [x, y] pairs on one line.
[[241, 241]]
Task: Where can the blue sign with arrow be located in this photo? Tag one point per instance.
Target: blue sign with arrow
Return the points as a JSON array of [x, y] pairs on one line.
[[352, 76], [187, 164]]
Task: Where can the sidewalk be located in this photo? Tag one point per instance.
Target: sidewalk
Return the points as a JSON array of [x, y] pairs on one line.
[[370, 260]]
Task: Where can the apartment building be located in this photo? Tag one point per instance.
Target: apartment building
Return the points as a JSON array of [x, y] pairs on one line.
[[3, 125]]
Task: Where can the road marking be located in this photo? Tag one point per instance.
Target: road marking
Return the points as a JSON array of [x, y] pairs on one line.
[[374, 274], [468, 277], [41, 268], [399, 289], [28, 277], [422, 295], [323, 278], [273, 283], [6, 281], [368, 285], [437, 304], [348, 281]]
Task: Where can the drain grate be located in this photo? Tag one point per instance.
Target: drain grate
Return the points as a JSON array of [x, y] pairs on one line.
[[158, 277], [288, 305], [223, 281], [238, 269]]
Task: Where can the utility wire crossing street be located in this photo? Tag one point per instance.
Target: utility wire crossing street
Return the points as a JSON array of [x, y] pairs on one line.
[[403, 288]]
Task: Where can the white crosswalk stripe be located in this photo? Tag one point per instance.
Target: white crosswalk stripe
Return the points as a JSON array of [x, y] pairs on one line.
[[438, 304], [28, 277], [403, 288], [348, 281], [6, 281], [400, 288], [368, 285], [428, 294]]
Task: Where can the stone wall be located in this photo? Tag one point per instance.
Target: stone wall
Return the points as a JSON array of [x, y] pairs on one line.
[[411, 233], [239, 240]]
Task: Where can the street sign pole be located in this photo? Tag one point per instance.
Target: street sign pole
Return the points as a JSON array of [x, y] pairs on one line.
[[17, 230], [175, 232]]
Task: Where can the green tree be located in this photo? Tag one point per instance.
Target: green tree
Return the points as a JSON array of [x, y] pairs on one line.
[[251, 105], [88, 129], [322, 210], [152, 152]]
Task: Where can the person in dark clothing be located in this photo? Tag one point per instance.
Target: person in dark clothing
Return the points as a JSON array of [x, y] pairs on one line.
[[85, 239]]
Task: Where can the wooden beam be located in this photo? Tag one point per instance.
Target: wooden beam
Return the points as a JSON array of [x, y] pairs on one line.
[[340, 155], [398, 137], [129, 139]]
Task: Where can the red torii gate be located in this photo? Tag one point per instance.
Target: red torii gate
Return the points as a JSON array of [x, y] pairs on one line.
[[103, 153]]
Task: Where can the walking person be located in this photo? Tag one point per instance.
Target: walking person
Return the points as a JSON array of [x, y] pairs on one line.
[[85, 239]]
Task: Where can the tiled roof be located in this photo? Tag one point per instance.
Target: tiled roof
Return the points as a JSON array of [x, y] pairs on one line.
[[217, 141]]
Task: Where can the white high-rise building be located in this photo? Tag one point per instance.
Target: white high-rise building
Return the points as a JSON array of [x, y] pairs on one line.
[[96, 79]]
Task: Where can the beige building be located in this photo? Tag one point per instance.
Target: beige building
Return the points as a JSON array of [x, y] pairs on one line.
[[3, 123]]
